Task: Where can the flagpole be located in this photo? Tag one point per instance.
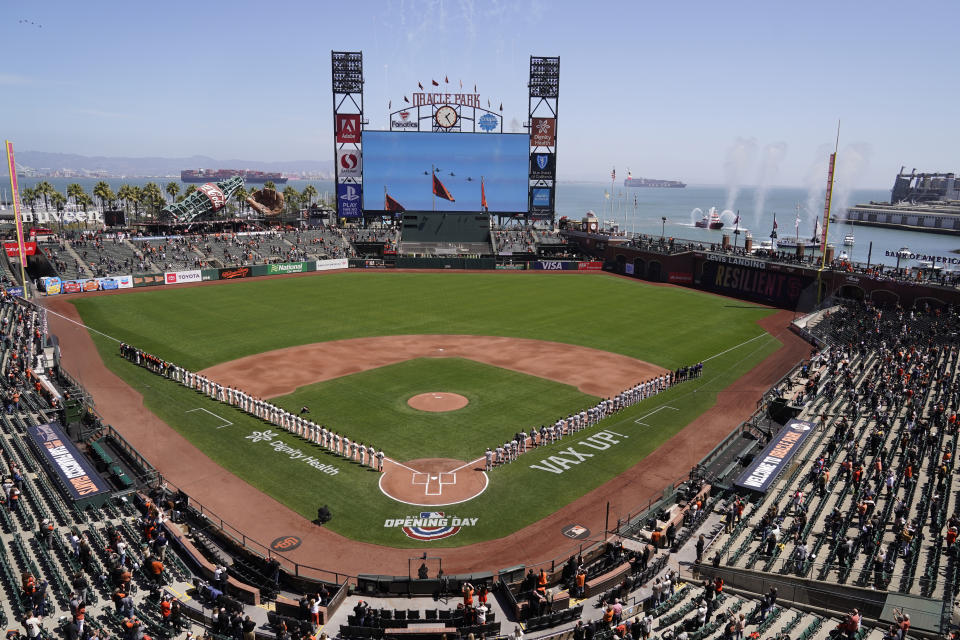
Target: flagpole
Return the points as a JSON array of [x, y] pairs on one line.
[[15, 196], [433, 190]]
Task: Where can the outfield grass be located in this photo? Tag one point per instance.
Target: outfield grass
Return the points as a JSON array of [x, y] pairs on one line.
[[199, 327], [372, 406]]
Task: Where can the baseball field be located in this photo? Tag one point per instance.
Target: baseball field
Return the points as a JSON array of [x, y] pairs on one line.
[[523, 349]]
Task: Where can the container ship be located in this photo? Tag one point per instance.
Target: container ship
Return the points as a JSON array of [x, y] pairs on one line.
[[918, 202], [648, 182], [214, 175]]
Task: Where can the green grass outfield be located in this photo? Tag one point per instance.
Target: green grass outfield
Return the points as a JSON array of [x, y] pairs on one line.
[[372, 406], [198, 327]]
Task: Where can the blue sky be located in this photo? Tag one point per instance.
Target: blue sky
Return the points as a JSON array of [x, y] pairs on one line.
[[699, 91], [402, 161]]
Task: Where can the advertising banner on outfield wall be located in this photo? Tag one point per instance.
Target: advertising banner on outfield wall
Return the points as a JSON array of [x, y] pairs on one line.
[[206, 275], [779, 289], [233, 273], [334, 263], [767, 465], [147, 279], [594, 265], [124, 282], [179, 277], [51, 285], [555, 265], [59, 455], [677, 277], [290, 267]]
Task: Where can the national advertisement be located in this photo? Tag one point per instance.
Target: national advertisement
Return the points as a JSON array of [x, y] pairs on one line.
[[348, 201], [289, 267], [15, 291], [124, 281], [108, 284], [765, 468], [61, 456], [592, 265], [680, 277]]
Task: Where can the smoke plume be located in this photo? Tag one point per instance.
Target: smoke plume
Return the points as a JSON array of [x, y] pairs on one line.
[[739, 158], [773, 154]]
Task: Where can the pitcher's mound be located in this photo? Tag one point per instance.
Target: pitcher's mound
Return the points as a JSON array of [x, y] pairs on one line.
[[437, 401]]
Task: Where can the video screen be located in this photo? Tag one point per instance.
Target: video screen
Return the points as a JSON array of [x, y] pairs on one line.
[[399, 164]]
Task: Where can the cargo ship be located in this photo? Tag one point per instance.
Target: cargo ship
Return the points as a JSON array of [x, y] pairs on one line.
[[648, 182], [214, 175], [918, 202]]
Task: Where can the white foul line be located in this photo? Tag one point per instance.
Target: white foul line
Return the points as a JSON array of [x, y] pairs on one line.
[[226, 423], [660, 408], [716, 355]]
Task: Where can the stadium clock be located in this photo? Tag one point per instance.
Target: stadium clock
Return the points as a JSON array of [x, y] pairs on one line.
[[446, 117]]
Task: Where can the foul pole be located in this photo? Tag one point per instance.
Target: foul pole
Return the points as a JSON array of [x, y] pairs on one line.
[[12, 166]]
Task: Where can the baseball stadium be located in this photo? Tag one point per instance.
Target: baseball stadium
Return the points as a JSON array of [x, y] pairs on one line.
[[421, 414]]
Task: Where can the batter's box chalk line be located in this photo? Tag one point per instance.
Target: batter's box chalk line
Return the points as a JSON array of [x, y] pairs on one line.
[[434, 481], [226, 423], [641, 419]]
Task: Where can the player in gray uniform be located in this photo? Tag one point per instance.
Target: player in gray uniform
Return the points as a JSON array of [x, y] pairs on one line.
[[380, 460], [488, 456]]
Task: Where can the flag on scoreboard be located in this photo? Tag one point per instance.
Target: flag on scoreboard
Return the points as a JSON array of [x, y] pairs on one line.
[[435, 83], [389, 204], [440, 190]]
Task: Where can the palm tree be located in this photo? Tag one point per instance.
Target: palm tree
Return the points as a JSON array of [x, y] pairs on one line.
[[124, 196], [85, 201], [308, 194], [241, 195], [189, 190], [29, 197], [59, 200], [172, 189], [74, 190], [153, 197], [45, 190], [269, 185], [104, 193], [291, 198], [136, 197]]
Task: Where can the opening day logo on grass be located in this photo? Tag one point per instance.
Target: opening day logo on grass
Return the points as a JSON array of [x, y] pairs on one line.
[[431, 525], [294, 454]]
